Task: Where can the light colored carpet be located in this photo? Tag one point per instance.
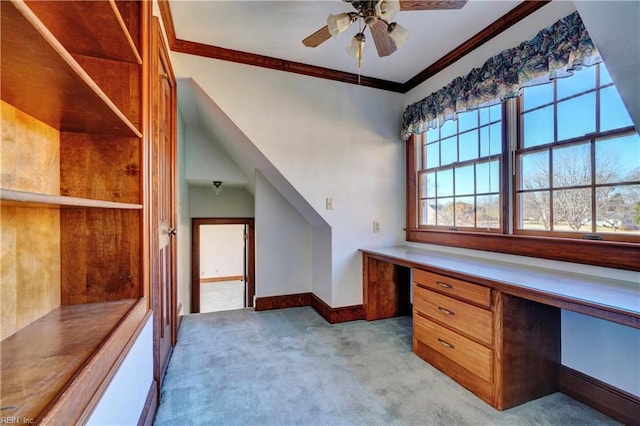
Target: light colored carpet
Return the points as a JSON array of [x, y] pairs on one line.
[[221, 296], [290, 367]]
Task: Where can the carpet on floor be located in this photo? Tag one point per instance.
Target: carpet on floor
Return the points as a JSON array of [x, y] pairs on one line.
[[291, 367]]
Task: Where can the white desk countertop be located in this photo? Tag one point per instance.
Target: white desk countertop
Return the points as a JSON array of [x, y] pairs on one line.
[[606, 292]]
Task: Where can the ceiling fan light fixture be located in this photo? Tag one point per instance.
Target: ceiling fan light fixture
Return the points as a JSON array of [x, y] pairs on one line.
[[387, 9], [338, 23], [398, 33], [356, 47]]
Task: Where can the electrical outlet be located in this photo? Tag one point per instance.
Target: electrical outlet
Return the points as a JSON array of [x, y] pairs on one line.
[[329, 203], [376, 226]]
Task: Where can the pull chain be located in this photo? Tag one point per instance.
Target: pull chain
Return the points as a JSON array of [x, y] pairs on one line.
[[360, 50]]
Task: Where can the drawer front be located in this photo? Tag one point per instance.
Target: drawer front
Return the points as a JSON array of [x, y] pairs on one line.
[[472, 292], [464, 352], [469, 319]]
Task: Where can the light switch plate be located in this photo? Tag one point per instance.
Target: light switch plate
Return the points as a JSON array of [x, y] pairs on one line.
[[329, 203]]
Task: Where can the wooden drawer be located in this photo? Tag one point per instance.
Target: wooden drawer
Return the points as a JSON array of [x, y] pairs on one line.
[[461, 289], [469, 319], [470, 355]]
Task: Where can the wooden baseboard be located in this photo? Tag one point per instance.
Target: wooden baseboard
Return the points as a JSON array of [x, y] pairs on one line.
[[282, 302], [150, 406], [332, 315], [615, 403], [180, 316], [336, 315], [221, 279]]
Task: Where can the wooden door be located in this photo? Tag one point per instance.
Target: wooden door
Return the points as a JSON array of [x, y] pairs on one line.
[[163, 216]]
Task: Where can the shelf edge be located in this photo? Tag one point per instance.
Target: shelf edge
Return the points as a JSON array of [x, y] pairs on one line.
[[15, 198], [125, 30]]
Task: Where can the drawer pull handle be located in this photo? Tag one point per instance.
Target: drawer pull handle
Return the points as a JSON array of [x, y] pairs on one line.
[[445, 311], [447, 344], [444, 285]]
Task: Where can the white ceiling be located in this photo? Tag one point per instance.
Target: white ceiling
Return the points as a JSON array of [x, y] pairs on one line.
[[276, 28]]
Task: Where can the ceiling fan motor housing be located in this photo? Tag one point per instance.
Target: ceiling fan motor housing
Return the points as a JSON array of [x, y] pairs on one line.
[[370, 18]]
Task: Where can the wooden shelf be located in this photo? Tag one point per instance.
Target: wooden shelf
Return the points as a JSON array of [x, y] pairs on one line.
[[41, 78], [14, 198], [56, 364], [104, 36]]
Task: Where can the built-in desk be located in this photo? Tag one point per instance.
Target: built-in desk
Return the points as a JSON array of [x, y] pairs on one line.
[[494, 326], [613, 300]]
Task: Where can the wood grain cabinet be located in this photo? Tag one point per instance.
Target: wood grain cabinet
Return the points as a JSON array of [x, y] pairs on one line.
[[73, 195], [504, 349]]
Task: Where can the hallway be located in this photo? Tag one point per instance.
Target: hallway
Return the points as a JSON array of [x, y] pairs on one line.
[[221, 296]]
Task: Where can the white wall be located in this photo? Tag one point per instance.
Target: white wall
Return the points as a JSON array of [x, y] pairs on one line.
[[231, 202], [283, 244], [183, 261], [328, 139], [321, 262], [600, 349], [599, 336], [123, 401], [221, 250], [206, 162]]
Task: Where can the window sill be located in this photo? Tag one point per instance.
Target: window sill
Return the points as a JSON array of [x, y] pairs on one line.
[[598, 253]]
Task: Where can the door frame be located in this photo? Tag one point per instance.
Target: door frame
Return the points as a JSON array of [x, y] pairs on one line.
[[195, 256]]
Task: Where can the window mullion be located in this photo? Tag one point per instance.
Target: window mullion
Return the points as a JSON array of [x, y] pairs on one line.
[[511, 136], [594, 200]]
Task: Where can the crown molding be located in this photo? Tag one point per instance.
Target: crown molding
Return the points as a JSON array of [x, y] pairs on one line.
[[509, 19], [230, 55], [512, 17]]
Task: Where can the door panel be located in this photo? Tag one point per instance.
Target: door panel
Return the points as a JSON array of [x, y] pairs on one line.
[[163, 203]]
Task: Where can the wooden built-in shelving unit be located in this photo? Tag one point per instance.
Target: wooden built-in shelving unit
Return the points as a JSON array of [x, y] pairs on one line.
[[72, 201]]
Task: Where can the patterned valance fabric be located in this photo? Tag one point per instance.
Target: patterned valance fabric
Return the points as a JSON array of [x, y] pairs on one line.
[[555, 52]]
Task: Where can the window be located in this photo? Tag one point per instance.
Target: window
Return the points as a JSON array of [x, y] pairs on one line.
[[459, 180], [578, 160], [560, 161]]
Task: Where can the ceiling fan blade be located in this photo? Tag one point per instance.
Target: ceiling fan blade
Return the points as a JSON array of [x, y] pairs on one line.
[[384, 44], [317, 38], [431, 4]]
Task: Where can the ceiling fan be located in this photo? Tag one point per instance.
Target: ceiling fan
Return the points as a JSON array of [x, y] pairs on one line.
[[377, 15]]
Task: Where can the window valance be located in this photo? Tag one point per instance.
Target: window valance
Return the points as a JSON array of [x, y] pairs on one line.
[[554, 52]]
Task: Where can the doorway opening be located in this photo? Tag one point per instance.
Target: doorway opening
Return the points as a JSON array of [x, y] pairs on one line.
[[222, 270]]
